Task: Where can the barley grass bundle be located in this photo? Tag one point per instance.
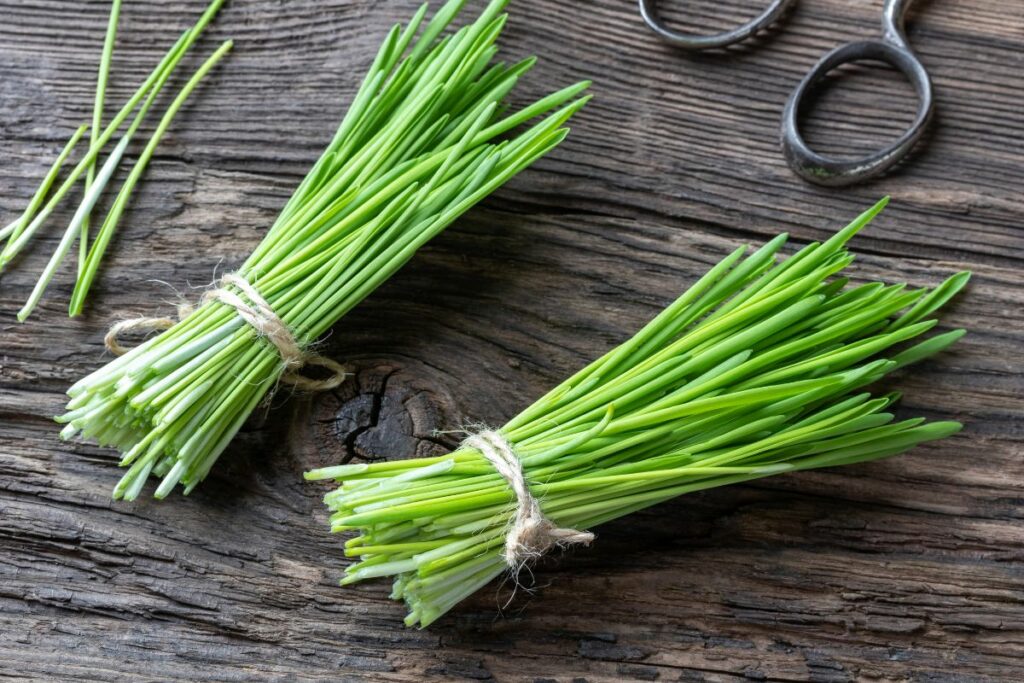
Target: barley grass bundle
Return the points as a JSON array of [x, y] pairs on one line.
[[423, 140], [758, 369]]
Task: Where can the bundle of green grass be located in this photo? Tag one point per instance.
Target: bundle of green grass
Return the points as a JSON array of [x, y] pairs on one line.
[[758, 369], [427, 136]]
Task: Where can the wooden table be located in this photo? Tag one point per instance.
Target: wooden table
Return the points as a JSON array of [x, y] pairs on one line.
[[908, 569]]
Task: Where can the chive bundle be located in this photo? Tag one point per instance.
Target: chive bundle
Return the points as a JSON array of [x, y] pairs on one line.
[[423, 140], [756, 370], [20, 232]]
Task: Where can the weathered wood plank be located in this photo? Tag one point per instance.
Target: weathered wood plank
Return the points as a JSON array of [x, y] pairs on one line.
[[909, 569]]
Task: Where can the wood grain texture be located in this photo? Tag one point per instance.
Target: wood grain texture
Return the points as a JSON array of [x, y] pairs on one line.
[[905, 570]]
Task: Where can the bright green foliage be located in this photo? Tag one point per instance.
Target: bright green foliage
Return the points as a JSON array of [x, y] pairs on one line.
[[21, 232], [12, 230], [97, 116], [756, 370], [423, 141], [90, 264]]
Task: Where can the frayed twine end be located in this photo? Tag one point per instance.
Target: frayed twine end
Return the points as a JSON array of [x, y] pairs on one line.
[[531, 534]]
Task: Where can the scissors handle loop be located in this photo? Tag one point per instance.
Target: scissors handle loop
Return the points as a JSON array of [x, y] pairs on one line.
[[894, 50], [649, 12]]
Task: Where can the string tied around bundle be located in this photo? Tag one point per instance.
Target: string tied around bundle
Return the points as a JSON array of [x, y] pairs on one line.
[[531, 533], [258, 314]]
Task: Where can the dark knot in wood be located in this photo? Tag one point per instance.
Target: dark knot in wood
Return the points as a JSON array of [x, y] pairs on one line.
[[385, 411]]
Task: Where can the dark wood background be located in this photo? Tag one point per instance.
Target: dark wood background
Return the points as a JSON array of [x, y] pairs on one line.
[[908, 569]]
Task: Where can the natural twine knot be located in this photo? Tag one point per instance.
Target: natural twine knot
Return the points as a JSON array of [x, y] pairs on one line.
[[255, 311], [531, 533]]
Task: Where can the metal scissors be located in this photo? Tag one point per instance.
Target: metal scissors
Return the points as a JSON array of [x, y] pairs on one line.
[[893, 48], [649, 12]]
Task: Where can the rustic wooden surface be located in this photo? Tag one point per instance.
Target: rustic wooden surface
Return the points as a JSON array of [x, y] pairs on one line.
[[909, 569]]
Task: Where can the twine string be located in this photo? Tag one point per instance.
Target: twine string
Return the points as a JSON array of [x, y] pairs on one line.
[[258, 314], [531, 534]]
